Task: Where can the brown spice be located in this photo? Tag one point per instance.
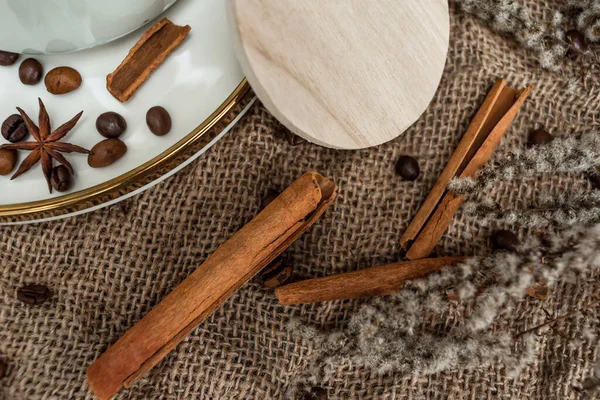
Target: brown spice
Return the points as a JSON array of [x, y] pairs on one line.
[[47, 145], [8, 161], [504, 104], [234, 263], [34, 294], [147, 54], [106, 153], [62, 80], [375, 281], [277, 273], [7, 58]]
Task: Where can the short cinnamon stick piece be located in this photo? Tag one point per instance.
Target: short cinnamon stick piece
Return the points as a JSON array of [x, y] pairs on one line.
[[376, 281], [226, 270], [147, 54], [444, 211], [495, 105]]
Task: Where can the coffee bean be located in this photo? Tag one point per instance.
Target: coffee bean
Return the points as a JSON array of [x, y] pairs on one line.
[[60, 178], [538, 137], [158, 120], [14, 129], [106, 153], [408, 168], [8, 160], [271, 195], [111, 125], [7, 58], [595, 179], [504, 240], [34, 294], [276, 273], [2, 369], [576, 39], [62, 80], [30, 71], [315, 393]]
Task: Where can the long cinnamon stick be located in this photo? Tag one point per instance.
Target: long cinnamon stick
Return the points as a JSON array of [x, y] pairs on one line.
[[376, 281], [226, 270], [443, 213]]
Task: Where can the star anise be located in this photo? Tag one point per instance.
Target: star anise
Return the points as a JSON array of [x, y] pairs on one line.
[[47, 146]]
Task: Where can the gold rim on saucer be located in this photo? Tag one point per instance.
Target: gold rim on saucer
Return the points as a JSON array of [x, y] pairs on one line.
[[140, 176]]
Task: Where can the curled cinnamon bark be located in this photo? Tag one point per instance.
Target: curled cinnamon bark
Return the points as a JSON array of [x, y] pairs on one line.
[[234, 263]]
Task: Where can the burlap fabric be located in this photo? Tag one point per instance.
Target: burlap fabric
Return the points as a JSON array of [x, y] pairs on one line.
[[109, 268]]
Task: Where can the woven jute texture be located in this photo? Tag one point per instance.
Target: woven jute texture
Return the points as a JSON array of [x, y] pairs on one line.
[[107, 269]]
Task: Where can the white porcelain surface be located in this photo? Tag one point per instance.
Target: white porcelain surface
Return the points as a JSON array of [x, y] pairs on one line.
[[58, 26], [191, 84]]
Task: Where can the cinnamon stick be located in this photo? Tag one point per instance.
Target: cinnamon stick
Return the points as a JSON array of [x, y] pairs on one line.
[[444, 211], [147, 54], [226, 270], [495, 105], [376, 281]]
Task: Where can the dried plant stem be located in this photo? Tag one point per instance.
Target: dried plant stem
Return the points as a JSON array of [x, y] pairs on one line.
[[558, 319]]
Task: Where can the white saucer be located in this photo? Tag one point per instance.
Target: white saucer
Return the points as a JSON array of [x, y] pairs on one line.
[[197, 79]]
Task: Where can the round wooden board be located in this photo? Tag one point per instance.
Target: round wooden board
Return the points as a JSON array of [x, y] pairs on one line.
[[343, 74]]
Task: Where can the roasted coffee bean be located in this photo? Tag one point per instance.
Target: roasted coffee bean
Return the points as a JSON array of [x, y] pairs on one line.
[[8, 160], [595, 179], [538, 137], [34, 294], [271, 195], [2, 369], [158, 120], [31, 71], [62, 80], [315, 393], [504, 240], [111, 125], [60, 179], [576, 39], [14, 129], [106, 153], [276, 273], [408, 168], [7, 58]]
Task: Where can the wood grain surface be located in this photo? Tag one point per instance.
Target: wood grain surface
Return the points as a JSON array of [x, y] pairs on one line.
[[343, 74]]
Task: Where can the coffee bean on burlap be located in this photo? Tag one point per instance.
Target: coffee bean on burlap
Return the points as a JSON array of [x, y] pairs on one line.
[[277, 273], [576, 39], [539, 137], [504, 240], [34, 294], [408, 168], [595, 179]]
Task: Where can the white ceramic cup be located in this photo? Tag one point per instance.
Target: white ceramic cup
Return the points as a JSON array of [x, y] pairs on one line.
[[59, 26]]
